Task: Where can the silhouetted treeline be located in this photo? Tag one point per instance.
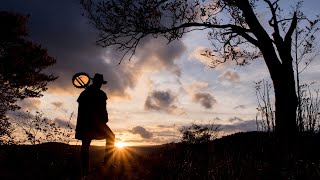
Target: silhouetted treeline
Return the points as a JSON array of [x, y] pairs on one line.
[[252, 155], [21, 68], [249, 155]]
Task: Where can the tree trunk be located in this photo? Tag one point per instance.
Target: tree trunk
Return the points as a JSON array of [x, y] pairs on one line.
[[286, 102], [279, 65]]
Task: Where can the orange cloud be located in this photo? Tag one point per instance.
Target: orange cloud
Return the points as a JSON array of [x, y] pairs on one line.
[[210, 58], [194, 86], [230, 76], [57, 104], [29, 104]]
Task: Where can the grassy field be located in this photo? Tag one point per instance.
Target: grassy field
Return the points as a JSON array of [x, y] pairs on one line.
[[240, 156]]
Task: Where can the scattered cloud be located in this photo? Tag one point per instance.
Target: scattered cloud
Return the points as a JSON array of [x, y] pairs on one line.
[[163, 101], [205, 99], [194, 86], [157, 52], [142, 132], [29, 104], [230, 76], [166, 126], [59, 27], [209, 58], [240, 107], [27, 119], [57, 104], [168, 133], [235, 119], [217, 119], [241, 126]]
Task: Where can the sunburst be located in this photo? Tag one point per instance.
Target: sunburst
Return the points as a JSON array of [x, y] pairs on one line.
[[120, 145]]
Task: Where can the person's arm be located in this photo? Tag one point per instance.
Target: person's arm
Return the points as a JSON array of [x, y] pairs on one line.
[[106, 111], [107, 117]]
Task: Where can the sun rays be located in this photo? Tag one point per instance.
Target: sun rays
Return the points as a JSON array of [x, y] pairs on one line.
[[120, 145], [122, 157]]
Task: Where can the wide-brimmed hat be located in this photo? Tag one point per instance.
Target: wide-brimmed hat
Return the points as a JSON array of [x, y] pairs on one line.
[[99, 78]]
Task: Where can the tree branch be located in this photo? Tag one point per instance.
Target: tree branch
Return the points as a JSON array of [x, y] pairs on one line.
[[195, 24], [291, 29], [242, 32], [274, 22]]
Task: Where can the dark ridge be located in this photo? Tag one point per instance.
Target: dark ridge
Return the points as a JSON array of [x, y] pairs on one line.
[[249, 155]]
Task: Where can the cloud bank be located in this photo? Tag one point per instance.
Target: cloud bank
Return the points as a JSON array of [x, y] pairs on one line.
[[230, 76], [205, 99], [165, 101], [142, 132], [59, 27]]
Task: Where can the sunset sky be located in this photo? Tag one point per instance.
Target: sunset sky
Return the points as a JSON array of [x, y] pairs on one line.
[[164, 87]]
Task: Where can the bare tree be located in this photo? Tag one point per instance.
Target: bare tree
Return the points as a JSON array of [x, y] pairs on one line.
[[36, 129], [234, 25], [265, 106], [309, 115], [305, 52]]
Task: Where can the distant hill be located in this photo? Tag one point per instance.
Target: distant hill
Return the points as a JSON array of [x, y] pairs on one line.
[[250, 155]]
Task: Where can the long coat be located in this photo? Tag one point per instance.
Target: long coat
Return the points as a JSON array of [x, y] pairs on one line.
[[93, 116]]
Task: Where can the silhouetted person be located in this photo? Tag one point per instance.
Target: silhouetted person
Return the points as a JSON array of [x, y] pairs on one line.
[[92, 119]]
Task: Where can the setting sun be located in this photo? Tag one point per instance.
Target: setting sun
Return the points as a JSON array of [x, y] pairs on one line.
[[120, 145]]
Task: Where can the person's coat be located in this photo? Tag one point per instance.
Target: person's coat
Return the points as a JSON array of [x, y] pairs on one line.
[[92, 115]]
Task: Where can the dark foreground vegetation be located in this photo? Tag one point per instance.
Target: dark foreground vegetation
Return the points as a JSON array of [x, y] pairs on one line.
[[253, 155]]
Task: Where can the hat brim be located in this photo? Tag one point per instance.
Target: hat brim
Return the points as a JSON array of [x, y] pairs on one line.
[[99, 81]]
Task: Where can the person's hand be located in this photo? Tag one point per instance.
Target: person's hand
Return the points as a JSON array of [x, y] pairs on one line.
[[106, 118]]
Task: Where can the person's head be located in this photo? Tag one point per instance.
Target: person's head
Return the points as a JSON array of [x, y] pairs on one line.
[[98, 80]]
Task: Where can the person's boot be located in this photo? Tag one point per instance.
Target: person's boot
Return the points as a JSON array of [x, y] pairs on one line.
[[108, 159], [84, 163]]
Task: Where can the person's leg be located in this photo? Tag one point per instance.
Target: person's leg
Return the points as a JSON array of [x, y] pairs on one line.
[[85, 156], [109, 148], [109, 152]]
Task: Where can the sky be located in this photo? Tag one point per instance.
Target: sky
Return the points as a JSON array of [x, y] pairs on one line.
[[163, 88]]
